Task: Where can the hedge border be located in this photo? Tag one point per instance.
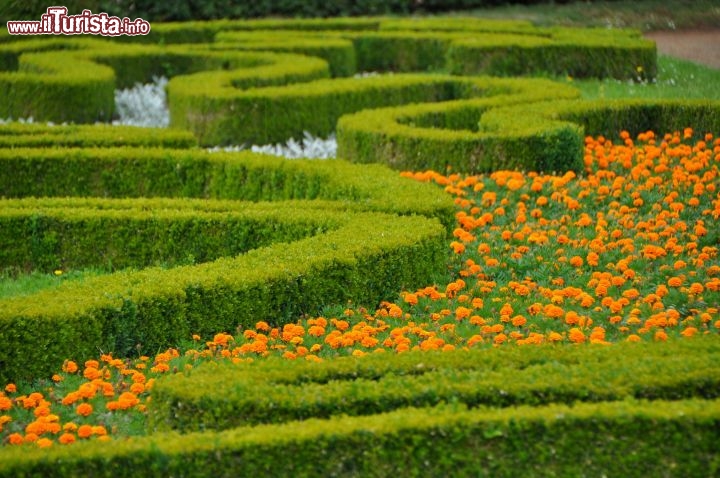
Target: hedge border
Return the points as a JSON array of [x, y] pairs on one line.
[[365, 260], [223, 396], [193, 173], [628, 438], [538, 136], [37, 135]]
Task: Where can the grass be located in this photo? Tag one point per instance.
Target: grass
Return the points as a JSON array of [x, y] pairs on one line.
[[676, 79], [13, 284]]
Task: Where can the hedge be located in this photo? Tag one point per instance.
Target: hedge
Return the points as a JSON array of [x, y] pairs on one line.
[[531, 136], [222, 396], [338, 52], [441, 135], [37, 135], [74, 83], [580, 53], [219, 114], [140, 172], [630, 438], [365, 259], [605, 117], [229, 103], [72, 234]]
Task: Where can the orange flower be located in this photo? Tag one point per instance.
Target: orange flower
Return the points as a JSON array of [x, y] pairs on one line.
[[84, 409], [66, 438], [576, 335], [675, 282]]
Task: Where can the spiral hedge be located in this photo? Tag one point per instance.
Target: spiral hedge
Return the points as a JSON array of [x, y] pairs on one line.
[[197, 242]]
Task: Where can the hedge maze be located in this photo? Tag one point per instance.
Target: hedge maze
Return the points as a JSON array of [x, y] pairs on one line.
[[199, 242]]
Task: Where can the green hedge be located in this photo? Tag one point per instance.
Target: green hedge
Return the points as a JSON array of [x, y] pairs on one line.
[[229, 105], [441, 135], [579, 53], [225, 396], [338, 52], [76, 79], [36, 135], [629, 438], [267, 115], [604, 117], [366, 259], [532, 136], [138, 172], [74, 234]]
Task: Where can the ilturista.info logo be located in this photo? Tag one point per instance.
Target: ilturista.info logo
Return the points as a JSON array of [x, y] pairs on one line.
[[57, 22]]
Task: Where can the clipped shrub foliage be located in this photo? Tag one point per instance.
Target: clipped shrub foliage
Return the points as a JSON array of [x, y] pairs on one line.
[[633, 438], [530, 136], [275, 391]]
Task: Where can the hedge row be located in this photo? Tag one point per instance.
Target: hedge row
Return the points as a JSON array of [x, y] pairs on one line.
[[223, 106], [192, 173], [220, 114], [37, 135], [474, 49], [531, 136], [338, 52], [445, 134], [580, 53], [606, 117], [628, 438], [365, 259], [111, 235], [76, 79], [226, 396]]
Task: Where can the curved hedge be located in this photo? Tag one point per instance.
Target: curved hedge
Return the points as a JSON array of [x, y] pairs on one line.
[[631, 438], [348, 254], [223, 105], [38, 135], [531, 136], [223, 396], [140, 172], [76, 79], [441, 135], [362, 257]]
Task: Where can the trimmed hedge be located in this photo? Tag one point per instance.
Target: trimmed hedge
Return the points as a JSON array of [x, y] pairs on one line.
[[72, 234], [605, 117], [138, 172], [338, 52], [268, 115], [74, 83], [537, 136], [628, 438], [225, 396], [231, 106], [441, 135], [580, 53], [35, 135], [365, 259]]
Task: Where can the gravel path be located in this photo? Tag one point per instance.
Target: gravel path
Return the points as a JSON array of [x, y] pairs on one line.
[[700, 46]]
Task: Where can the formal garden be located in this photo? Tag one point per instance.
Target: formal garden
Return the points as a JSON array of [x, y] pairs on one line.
[[358, 243]]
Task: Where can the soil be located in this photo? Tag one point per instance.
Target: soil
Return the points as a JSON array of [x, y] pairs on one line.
[[699, 46]]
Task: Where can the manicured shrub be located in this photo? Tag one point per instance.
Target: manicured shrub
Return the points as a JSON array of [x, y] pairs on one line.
[[630, 438], [275, 391]]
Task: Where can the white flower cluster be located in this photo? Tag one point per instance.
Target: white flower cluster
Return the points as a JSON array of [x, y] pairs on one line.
[[143, 105], [309, 147]]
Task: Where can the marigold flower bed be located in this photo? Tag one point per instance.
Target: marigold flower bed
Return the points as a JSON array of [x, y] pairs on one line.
[[625, 251]]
